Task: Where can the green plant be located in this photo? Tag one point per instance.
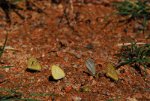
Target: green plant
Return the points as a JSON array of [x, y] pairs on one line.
[[110, 100], [43, 94], [135, 55], [134, 9], [13, 95], [3, 47], [15, 1]]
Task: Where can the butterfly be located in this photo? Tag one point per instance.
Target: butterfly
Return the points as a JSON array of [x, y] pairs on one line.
[[57, 72], [90, 66], [33, 64], [111, 72]]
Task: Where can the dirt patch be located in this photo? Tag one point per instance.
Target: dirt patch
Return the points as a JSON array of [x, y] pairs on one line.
[[54, 39]]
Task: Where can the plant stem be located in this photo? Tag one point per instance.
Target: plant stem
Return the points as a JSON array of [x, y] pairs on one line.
[[3, 48]]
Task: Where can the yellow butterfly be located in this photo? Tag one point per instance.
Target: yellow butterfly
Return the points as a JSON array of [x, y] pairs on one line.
[[33, 64], [57, 72], [111, 72]]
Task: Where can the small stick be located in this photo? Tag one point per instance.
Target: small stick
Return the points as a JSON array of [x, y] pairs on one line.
[[128, 44]]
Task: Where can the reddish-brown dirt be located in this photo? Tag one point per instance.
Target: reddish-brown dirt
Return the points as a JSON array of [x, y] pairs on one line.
[[49, 38]]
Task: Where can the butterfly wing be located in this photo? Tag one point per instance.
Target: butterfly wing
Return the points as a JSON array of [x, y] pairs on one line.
[[111, 72], [33, 64], [57, 72], [91, 66]]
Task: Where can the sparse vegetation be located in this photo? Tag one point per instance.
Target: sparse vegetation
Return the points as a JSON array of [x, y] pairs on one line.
[[134, 10], [13, 95], [135, 55]]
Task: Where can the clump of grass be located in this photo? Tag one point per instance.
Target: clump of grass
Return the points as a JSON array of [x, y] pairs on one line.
[[134, 10], [13, 95], [135, 55]]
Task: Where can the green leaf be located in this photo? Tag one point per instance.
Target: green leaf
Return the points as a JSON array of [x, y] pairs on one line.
[[147, 59]]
